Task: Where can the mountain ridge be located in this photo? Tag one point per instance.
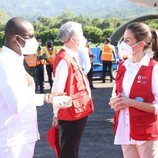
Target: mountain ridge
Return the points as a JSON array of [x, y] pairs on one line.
[[90, 8]]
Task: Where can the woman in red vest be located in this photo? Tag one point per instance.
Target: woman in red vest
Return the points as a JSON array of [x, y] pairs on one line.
[[135, 94]]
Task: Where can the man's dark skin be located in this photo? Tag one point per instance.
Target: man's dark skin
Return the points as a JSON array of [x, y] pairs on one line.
[[17, 27]]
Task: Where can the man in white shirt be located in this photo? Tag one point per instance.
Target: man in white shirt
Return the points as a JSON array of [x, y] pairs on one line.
[[83, 57], [18, 119]]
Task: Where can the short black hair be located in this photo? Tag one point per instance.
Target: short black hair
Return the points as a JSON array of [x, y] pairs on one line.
[[49, 42], [107, 40], [14, 25]]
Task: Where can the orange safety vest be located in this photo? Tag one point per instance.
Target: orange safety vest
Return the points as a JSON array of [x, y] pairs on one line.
[[51, 55], [51, 60], [31, 60], [107, 54]]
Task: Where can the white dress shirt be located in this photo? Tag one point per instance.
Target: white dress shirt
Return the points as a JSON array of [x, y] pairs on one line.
[[84, 60], [61, 73], [123, 130], [18, 118]]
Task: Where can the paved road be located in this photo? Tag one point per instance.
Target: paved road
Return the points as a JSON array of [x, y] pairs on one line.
[[97, 141]]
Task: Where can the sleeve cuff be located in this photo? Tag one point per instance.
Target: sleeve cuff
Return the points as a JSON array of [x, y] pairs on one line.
[[156, 108]]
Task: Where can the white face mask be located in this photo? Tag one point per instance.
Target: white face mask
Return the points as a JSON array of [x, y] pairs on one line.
[[82, 42], [30, 47], [39, 43], [124, 50], [89, 43]]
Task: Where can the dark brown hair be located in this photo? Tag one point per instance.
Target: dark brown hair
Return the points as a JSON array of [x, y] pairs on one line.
[[142, 32]]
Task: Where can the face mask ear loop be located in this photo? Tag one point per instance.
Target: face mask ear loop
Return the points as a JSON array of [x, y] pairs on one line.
[[22, 39], [136, 44]]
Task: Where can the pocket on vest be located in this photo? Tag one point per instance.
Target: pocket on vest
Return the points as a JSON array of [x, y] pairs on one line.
[[82, 107]]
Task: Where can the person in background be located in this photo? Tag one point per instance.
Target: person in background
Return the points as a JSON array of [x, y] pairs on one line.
[[83, 57], [30, 65], [155, 57], [18, 119], [70, 79], [90, 73], [40, 70], [135, 94], [49, 53], [107, 57], [89, 42]]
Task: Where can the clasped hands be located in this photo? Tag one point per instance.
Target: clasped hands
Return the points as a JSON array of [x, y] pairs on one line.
[[120, 102]]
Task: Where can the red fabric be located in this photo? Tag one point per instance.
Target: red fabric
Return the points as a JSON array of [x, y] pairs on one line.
[[119, 78], [52, 137], [82, 104], [143, 125]]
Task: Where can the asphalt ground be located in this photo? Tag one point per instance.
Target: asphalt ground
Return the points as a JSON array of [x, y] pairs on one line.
[[98, 137]]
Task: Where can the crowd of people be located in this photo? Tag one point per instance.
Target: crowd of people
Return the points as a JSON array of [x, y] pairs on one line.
[[70, 74], [42, 59]]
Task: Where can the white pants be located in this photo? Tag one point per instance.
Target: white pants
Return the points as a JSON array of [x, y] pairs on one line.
[[147, 150], [19, 151]]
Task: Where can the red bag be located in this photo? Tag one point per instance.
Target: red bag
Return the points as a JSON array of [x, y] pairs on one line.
[[52, 137]]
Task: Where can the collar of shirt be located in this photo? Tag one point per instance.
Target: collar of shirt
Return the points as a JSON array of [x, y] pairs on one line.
[[144, 61], [71, 53], [10, 58], [11, 54]]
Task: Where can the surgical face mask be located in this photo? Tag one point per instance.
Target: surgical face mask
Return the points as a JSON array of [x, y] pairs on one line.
[[82, 42], [30, 47], [89, 43], [39, 43], [50, 49], [125, 51]]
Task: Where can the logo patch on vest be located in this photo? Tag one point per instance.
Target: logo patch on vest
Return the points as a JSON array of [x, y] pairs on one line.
[[142, 79]]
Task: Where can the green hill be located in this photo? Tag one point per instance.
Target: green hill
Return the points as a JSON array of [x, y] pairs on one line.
[[33, 9]]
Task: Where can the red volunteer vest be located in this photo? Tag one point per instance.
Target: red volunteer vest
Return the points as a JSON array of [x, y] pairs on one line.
[[143, 125], [82, 104]]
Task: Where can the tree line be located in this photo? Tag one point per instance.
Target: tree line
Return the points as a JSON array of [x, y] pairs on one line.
[[96, 29]]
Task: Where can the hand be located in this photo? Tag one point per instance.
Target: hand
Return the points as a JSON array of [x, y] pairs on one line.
[[120, 102], [117, 61], [49, 97], [55, 122]]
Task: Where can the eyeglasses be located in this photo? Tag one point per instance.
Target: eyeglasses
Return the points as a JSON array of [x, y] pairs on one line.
[[25, 36], [28, 36]]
